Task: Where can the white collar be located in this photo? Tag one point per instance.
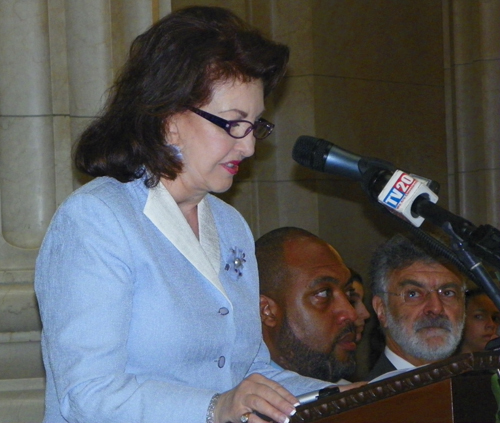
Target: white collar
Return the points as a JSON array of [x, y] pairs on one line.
[[398, 362], [166, 215]]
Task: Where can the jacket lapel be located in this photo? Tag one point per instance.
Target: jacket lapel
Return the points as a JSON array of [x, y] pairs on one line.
[[204, 254]]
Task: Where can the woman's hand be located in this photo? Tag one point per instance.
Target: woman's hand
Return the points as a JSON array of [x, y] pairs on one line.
[[259, 394]]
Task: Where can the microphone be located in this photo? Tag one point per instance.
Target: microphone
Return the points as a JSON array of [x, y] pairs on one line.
[[393, 188], [315, 395], [413, 199]]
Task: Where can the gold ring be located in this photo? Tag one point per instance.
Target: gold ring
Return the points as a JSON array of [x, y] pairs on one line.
[[244, 418]]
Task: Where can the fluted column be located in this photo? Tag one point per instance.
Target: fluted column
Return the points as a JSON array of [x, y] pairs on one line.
[[27, 188], [57, 59], [473, 108]]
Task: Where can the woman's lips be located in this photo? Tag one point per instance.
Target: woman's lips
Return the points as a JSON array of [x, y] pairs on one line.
[[232, 167]]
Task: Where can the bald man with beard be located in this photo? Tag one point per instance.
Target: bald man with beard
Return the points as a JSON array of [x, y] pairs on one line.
[[308, 319]]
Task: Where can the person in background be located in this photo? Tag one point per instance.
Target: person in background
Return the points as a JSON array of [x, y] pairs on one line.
[[419, 302], [357, 295], [306, 305], [147, 283], [482, 321]]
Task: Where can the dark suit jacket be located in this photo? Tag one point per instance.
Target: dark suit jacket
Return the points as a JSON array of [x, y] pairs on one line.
[[383, 365]]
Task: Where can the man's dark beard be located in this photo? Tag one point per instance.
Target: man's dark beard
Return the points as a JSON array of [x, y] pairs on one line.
[[307, 362]]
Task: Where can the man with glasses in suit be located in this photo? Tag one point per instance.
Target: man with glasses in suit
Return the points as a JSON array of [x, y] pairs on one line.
[[419, 301]]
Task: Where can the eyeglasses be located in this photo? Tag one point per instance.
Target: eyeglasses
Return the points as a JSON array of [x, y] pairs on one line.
[[413, 295], [238, 128]]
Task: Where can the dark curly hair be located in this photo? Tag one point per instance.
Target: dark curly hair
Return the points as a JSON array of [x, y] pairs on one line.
[[173, 65]]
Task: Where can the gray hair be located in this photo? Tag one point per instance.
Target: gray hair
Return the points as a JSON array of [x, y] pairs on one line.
[[395, 254]]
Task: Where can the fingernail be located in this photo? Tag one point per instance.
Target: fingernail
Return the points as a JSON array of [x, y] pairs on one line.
[[296, 404], [286, 420], [293, 412]]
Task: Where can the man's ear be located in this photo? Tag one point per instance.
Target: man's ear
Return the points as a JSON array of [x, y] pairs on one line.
[[379, 307], [269, 311]]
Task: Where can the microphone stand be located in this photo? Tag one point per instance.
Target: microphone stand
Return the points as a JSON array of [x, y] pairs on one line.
[[475, 266], [484, 240], [482, 277], [467, 242]]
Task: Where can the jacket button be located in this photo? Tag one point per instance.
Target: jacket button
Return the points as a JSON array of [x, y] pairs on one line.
[[221, 362], [223, 311]]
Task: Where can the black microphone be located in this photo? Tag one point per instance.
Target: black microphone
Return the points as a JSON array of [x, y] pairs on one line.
[[322, 155], [411, 198], [395, 189]]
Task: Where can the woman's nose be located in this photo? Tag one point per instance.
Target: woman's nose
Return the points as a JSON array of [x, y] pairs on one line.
[[246, 145]]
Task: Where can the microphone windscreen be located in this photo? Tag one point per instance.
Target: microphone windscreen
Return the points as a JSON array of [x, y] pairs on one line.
[[311, 152]]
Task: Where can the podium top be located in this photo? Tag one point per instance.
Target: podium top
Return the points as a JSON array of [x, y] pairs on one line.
[[403, 382]]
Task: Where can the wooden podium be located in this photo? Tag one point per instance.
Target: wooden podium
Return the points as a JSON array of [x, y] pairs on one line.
[[457, 389]]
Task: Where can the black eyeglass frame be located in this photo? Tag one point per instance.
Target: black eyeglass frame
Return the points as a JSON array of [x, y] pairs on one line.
[[228, 124]]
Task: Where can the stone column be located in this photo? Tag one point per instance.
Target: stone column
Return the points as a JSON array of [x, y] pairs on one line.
[[27, 190], [57, 59]]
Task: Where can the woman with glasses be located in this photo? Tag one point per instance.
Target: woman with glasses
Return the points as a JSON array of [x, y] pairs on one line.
[[147, 283]]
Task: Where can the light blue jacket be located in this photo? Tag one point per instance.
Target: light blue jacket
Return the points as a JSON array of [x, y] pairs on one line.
[[135, 327]]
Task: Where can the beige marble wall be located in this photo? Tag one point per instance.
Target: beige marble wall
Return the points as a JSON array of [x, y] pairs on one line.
[[367, 76], [379, 93], [473, 108]]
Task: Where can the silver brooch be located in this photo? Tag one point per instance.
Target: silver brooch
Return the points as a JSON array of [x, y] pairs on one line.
[[236, 262]]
